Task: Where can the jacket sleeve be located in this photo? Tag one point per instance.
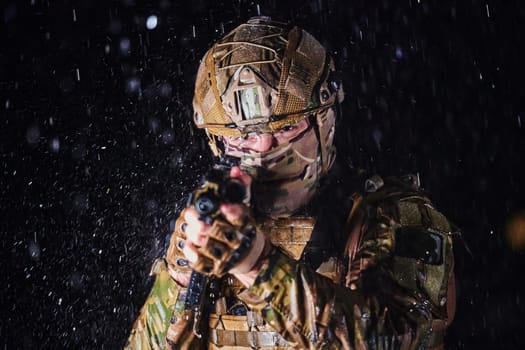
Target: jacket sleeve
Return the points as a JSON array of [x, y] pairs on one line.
[[150, 327], [394, 300], [165, 301]]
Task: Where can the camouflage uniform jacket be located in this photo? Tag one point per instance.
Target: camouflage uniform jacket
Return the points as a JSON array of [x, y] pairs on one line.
[[380, 278]]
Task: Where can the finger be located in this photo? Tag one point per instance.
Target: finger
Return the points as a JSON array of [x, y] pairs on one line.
[[196, 230], [190, 252], [233, 213], [237, 173]]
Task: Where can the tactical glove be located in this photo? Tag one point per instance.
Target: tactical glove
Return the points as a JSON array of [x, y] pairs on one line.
[[230, 247]]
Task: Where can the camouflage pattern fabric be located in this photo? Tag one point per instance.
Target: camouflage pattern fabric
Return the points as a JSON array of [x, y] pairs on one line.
[[395, 294], [150, 327]]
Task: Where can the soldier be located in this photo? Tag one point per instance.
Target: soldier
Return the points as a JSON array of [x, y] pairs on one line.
[[317, 256]]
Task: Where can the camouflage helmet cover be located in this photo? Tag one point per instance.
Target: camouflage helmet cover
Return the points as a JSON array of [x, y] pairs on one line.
[[260, 77]]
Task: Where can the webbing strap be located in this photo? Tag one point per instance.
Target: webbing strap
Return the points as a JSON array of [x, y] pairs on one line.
[[221, 337]]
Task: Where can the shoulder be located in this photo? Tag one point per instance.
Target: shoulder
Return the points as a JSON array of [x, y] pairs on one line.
[[410, 239]]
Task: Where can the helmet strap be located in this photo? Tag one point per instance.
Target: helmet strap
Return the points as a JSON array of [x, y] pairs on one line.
[[319, 121], [214, 145]]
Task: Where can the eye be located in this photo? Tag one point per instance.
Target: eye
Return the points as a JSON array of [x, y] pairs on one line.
[[288, 128]]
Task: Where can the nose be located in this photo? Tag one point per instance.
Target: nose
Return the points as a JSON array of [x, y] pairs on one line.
[[261, 143]]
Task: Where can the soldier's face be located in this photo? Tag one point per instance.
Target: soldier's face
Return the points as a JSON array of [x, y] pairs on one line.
[[264, 142]]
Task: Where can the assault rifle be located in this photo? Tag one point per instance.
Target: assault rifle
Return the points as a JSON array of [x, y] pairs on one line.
[[216, 188]]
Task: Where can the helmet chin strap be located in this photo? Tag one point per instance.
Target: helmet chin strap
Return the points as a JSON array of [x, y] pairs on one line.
[[320, 120]]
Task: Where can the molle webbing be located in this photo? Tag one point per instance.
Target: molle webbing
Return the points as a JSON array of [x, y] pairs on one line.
[[250, 331], [292, 234]]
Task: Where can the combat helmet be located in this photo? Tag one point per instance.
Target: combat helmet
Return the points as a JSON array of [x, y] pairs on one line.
[[264, 76]]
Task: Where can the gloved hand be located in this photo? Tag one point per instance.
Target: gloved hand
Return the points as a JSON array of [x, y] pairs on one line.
[[229, 244], [178, 266]]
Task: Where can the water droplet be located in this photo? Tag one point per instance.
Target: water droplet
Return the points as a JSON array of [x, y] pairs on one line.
[[55, 145], [151, 22], [378, 136], [399, 53], [151, 205], [166, 89], [125, 46], [168, 136], [153, 124], [34, 250], [133, 85]]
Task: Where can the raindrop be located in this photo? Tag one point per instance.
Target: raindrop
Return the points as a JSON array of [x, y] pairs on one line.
[[33, 134], [487, 8], [519, 121], [153, 124], [151, 22], [133, 85], [125, 46], [151, 205], [74, 15], [168, 136], [399, 53], [78, 74], [34, 250], [107, 48], [176, 161], [75, 280], [78, 151], [7, 103], [166, 89], [66, 85], [80, 202], [55, 145], [378, 136]]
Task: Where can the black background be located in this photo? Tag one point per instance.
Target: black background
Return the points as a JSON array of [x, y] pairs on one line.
[[98, 151]]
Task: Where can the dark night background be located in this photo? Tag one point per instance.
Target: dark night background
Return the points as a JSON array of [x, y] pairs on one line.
[[97, 148]]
